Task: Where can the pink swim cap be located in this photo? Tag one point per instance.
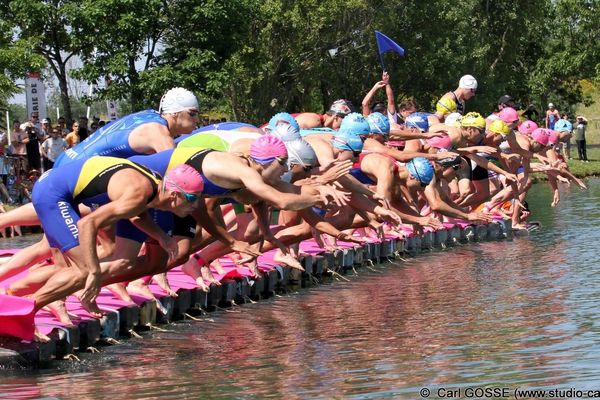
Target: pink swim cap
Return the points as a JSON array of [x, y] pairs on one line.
[[508, 115], [440, 142], [184, 178], [541, 135], [553, 136], [527, 127], [266, 148]]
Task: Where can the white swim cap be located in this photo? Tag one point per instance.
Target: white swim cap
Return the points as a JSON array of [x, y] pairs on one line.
[[451, 119], [176, 100], [468, 82], [301, 152]]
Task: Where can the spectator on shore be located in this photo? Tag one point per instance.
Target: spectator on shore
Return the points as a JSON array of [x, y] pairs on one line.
[[18, 138], [73, 137], [552, 116], [34, 120], [52, 148], [205, 121], [46, 128], [33, 146], [4, 168], [83, 128], [93, 128], [531, 113], [579, 135], [62, 126]]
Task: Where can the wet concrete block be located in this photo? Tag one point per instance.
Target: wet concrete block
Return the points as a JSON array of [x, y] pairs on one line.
[[168, 305], [506, 225], [147, 314], [10, 359], [214, 296], [427, 241], [416, 247], [467, 234], [347, 258], [481, 233], [242, 290], [257, 287], [307, 263], [440, 237], [89, 333], [128, 318], [294, 277], [228, 290], [494, 231], [183, 302], [318, 265], [110, 325], [400, 245], [387, 248], [271, 279], [409, 244], [454, 235], [283, 276], [32, 354], [329, 260], [199, 299], [61, 336], [359, 255]]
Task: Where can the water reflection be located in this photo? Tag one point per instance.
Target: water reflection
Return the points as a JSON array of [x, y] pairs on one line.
[[521, 313]]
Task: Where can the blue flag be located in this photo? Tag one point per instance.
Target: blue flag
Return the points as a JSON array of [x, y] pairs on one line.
[[385, 44]]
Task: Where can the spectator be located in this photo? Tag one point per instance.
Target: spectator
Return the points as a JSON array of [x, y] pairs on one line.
[[73, 137], [205, 121], [93, 128], [579, 134], [33, 146], [18, 139], [4, 168], [531, 113], [62, 125], [34, 119], [83, 128], [46, 128], [552, 116], [52, 148], [101, 124]]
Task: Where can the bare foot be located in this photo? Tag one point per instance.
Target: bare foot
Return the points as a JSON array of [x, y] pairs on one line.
[[202, 285], [59, 310], [120, 291], [253, 267], [140, 287], [163, 283], [92, 308], [216, 264], [208, 276], [288, 260], [192, 268], [39, 336]]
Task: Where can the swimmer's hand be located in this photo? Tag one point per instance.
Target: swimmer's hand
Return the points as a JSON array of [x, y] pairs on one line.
[[335, 171], [511, 177], [555, 198], [480, 217], [387, 215], [245, 248], [91, 289], [330, 192], [382, 201], [170, 246], [431, 222], [344, 237]]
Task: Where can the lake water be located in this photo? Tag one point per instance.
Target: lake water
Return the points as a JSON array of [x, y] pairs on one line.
[[506, 315]]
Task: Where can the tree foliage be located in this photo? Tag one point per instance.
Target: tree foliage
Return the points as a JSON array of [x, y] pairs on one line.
[[252, 58]]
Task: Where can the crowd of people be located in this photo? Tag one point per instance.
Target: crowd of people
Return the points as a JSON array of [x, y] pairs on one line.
[[152, 190]]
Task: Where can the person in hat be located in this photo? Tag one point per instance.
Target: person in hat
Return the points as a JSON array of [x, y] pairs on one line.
[[579, 135], [455, 101]]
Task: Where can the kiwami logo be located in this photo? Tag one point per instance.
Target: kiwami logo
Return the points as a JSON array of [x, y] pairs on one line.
[[64, 213]]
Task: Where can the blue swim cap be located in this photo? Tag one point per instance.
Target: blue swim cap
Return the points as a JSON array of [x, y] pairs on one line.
[[285, 131], [347, 141], [420, 168], [355, 123], [283, 116], [418, 120], [562, 125], [379, 123]]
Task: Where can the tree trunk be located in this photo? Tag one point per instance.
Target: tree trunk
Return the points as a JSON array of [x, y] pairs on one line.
[[136, 98], [64, 93]]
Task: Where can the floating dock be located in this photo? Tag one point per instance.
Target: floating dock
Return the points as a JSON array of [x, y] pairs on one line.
[[123, 320]]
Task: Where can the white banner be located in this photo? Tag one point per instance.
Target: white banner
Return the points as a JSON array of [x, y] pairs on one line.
[[111, 107], [35, 94]]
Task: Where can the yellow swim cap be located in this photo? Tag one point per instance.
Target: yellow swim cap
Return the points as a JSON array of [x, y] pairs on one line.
[[472, 119], [445, 105], [499, 127]]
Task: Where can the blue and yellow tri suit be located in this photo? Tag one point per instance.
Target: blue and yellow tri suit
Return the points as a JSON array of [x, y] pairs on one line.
[[57, 193], [112, 139]]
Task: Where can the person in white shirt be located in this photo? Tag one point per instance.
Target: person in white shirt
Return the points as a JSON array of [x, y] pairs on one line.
[[52, 148]]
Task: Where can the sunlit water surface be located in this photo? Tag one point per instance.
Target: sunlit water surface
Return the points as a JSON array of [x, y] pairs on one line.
[[521, 313]]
